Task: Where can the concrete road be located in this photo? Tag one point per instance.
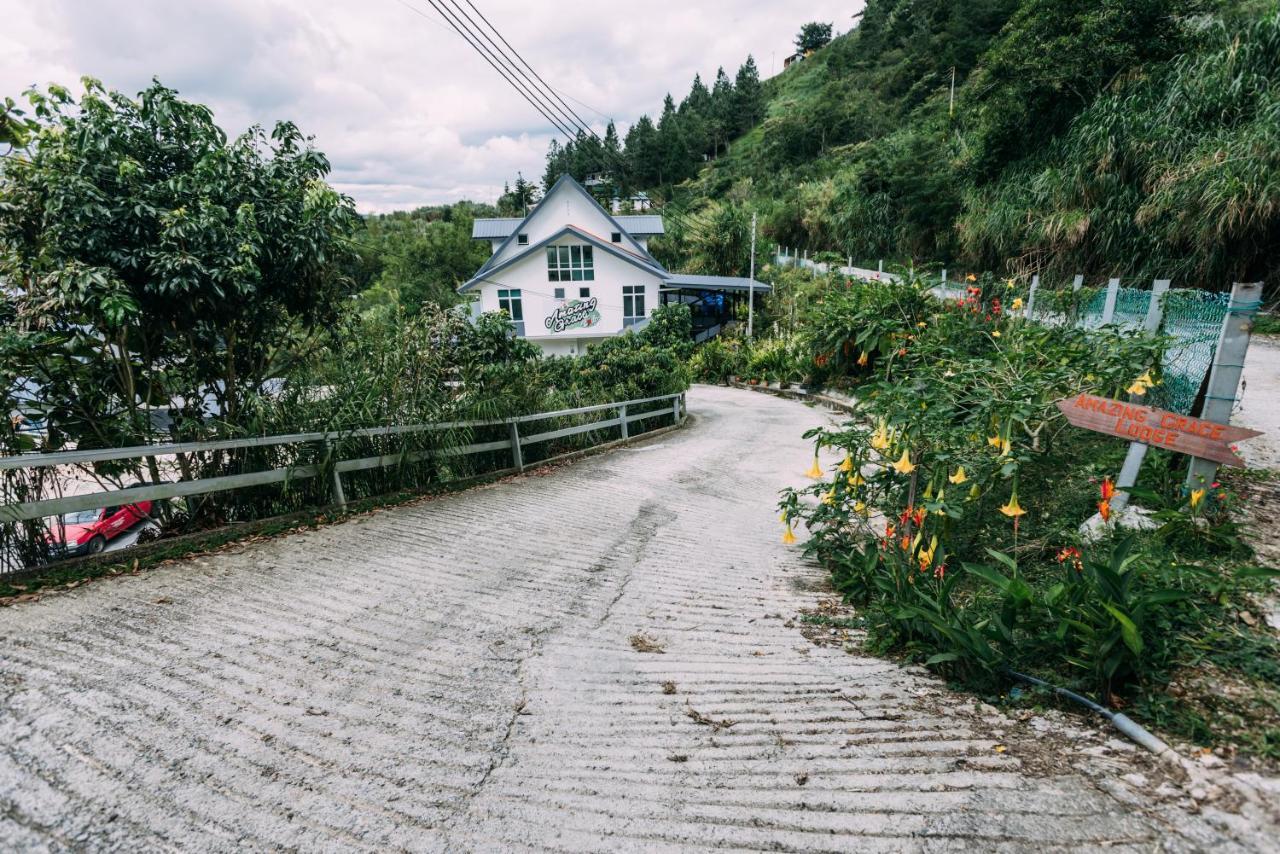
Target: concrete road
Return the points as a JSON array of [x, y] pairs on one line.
[[606, 656]]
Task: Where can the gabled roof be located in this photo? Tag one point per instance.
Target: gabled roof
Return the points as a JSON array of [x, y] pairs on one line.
[[637, 225], [565, 179], [644, 262]]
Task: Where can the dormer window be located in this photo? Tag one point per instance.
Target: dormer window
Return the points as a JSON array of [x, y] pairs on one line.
[[616, 237], [522, 240]]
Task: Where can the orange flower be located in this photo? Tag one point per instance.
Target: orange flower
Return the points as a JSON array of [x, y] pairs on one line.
[[1104, 510], [1013, 510], [1108, 489]]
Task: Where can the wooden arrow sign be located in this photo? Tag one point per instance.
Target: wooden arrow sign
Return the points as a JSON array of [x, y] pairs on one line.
[[1157, 428]]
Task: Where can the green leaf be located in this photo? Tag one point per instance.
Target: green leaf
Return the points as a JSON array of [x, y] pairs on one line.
[[943, 657], [1128, 630]]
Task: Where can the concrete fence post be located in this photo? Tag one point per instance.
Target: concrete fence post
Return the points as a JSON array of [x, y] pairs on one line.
[[339, 495], [622, 420], [1109, 307], [675, 408], [1078, 282], [946, 291], [1031, 296], [1155, 309], [517, 456], [1228, 365]]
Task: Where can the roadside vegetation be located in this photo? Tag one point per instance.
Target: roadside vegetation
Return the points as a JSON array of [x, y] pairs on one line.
[[952, 520]]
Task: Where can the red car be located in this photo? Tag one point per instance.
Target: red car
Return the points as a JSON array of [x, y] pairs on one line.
[[87, 532]]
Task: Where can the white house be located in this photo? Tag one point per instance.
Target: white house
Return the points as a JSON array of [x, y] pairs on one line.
[[571, 273]]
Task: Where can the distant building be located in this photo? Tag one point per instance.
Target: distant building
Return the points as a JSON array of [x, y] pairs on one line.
[[795, 57], [570, 273]]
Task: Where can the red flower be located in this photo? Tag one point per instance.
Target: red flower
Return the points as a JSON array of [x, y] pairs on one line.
[[1108, 489]]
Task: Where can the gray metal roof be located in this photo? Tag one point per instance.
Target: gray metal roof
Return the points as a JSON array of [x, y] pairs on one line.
[[494, 229], [640, 225], [713, 283]]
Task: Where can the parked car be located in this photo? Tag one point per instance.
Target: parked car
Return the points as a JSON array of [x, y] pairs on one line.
[[87, 532]]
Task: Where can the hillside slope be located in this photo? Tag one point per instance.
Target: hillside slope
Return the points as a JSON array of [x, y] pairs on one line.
[[1125, 137]]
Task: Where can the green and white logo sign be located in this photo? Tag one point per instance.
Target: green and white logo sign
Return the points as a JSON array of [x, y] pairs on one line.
[[575, 314]]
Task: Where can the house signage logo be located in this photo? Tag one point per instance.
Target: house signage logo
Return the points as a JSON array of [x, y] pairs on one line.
[[575, 314]]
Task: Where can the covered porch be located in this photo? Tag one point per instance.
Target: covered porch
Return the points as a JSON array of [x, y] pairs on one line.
[[714, 301]]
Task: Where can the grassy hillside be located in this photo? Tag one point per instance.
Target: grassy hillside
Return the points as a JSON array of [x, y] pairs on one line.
[[1125, 137]]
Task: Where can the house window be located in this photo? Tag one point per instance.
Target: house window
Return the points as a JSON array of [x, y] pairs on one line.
[[632, 304], [616, 237], [522, 240], [570, 264], [584, 293], [559, 293], [509, 301]]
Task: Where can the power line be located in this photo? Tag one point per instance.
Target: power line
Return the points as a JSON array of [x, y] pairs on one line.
[[542, 98], [487, 58]]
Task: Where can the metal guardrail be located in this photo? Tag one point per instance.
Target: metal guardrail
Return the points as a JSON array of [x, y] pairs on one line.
[[20, 511]]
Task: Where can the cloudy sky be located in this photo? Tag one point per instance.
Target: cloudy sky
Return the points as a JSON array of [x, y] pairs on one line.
[[406, 111]]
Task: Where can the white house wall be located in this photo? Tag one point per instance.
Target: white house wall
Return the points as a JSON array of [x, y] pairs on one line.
[[529, 276]]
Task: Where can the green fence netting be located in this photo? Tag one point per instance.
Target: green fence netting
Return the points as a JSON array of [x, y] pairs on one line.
[[1193, 319]]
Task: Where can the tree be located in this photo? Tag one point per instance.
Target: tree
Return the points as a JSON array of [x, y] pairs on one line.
[[516, 201], [158, 265], [812, 36], [642, 152], [721, 112], [748, 98]]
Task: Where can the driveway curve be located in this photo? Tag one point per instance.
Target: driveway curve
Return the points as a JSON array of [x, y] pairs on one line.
[[603, 656]]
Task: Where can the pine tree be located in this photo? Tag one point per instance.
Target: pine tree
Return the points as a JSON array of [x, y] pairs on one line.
[[748, 98], [642, 152], [721, 112]]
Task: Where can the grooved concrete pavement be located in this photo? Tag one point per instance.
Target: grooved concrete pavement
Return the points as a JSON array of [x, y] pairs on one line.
[[459, 675]]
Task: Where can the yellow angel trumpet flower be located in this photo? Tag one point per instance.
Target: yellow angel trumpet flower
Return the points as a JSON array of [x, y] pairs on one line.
[[959, 477], [1013, 510], [862, 359], [788, 538], [880, 439], [815, 470], [904, 464], [1197, 495], [995, 441], [856, 479], [859, 507], [1141, 384], [847, 465], [974, 491], [1017, 303], [830, 497]]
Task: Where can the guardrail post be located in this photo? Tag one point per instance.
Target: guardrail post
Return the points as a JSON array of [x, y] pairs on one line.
[[675, 409], [1155, 309], [1109, 307], [339, 495], [1228, 365], [517, 458], [1031, 296], [622, 420]]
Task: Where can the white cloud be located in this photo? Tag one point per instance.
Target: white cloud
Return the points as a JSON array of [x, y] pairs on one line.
[[406, 111]]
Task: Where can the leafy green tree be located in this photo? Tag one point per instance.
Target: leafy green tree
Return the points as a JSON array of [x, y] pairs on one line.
[[1052, 60], [812, 36], [159, 265]]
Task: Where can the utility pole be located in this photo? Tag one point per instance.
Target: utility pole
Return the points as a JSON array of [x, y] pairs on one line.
[[951, 108], [751, 285]]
